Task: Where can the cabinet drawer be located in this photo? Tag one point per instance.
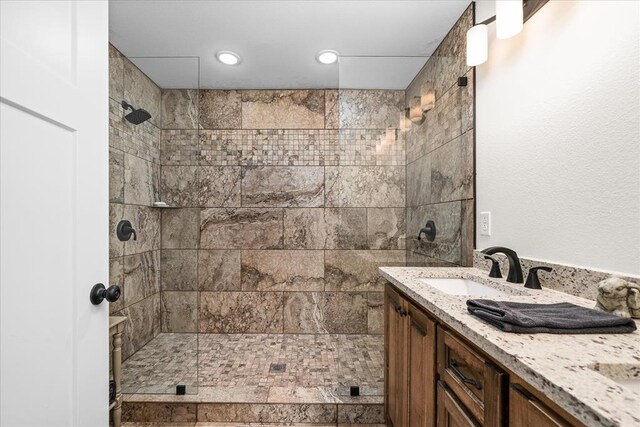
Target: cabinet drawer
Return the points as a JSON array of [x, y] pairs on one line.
[[451, 412], [525, 410], [472, 378]]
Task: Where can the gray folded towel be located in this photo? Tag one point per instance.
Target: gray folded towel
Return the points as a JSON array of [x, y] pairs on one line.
[[561, 318]]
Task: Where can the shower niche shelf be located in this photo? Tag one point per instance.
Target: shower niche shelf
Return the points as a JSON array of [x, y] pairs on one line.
[[162, 205]]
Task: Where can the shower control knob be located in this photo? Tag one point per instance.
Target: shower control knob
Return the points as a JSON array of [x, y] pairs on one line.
[[99, 293]]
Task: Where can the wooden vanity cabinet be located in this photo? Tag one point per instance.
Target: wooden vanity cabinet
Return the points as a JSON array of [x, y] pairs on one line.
[[421, 369], [451, 412], [396, 393], [434, 377], [526, 410], [478, 383], [410, 364]]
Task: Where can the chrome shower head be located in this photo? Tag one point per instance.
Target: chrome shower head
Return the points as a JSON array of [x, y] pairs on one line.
[[136, 116]]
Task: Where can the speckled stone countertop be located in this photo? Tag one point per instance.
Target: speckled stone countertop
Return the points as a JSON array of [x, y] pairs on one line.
[[563, 367]]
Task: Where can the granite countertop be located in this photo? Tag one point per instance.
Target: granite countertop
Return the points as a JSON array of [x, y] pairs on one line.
[[563, 367]]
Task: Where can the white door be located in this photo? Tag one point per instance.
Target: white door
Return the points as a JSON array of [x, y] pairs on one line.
[[53, 212]]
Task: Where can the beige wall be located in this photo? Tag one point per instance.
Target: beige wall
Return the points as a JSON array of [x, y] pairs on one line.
[[558, 157]]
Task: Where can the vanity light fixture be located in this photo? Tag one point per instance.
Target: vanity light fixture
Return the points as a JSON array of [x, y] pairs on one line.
[[477, 45], [510, 17], [228, 57], [327, 56], [427, 96], [415, 110]]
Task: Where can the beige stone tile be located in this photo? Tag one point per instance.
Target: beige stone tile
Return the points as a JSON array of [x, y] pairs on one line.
[[283, 186], [267, 413], [241, 228], [375, 312], [328, 228], [449, 175], [365, 186], [116, 213], [386, 228], [220, 109], [180, 228], [142, 324], [179, 109], [141, 181], [331, 109], [179, 269], [240, 312], [179, 186], [141, 92], [116, 74], [219, 186], [141, 276], [146, 221], [370, 109], [219, 270], [116, 176], [179, 311], [179, 147], [283, 270], [158, 412], [358, 270], [283, 109], [419, 181], [361, 414], [448, 219], [325, 312]]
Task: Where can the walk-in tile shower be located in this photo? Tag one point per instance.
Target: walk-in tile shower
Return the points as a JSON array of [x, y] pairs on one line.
[[258, 279]]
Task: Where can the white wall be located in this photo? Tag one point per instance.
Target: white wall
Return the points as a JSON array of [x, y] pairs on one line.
[[558, 135]]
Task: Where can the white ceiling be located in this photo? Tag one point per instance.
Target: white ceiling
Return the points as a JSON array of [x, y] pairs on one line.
[[383, 44]]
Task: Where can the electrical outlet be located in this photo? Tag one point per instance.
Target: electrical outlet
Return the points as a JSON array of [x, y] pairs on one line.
[[485, 223]]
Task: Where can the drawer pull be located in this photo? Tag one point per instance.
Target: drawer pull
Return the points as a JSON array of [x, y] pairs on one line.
[[453, 364]]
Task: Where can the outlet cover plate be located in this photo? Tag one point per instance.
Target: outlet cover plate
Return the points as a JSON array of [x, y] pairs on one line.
[[485, 223]]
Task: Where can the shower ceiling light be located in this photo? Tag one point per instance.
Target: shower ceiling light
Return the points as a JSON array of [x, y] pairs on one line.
[[228, 58], [327, 56]]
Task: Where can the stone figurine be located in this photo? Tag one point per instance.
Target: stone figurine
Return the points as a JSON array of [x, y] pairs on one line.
[[619, 297]]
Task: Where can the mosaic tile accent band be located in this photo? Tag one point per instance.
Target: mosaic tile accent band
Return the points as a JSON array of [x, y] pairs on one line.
[[282, 147]]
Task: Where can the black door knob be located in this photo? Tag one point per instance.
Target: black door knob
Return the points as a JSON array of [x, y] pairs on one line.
[[99, 293]]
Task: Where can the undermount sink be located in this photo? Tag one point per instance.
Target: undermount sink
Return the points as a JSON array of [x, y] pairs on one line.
[[626, 375], [463, 287]]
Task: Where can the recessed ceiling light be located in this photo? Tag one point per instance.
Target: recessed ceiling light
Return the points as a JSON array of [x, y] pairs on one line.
[[228, 58], [327, 56]]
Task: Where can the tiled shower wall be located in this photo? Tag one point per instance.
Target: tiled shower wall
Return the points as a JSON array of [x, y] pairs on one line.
[[134, 171], [288, 202], [440, 165]]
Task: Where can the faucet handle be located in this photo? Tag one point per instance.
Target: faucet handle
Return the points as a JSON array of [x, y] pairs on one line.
[[532, 279], [495, 267]]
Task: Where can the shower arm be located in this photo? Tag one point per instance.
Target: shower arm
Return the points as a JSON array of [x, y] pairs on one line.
[[127, 106]]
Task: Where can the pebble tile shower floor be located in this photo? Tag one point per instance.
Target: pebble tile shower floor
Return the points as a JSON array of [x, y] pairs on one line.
[[318, 368]]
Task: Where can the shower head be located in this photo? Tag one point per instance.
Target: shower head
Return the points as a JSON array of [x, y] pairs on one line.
[[136, 116]]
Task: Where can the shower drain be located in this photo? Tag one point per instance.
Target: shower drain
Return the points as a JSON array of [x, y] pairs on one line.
[[277, 368]]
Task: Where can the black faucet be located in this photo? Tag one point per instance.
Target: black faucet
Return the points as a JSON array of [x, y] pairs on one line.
[[515, 270]]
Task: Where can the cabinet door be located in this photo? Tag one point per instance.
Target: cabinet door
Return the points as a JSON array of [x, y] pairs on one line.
[[476, 382], [451, 413], [526, 411], [396, 360], [422, 369]]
